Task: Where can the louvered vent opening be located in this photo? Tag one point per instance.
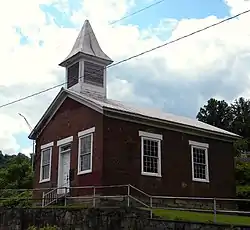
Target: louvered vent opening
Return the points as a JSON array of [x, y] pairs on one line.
[[73, 75], [93, 74]]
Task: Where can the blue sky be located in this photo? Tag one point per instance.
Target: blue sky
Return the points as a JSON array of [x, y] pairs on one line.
[[185, 74], [177, 9]]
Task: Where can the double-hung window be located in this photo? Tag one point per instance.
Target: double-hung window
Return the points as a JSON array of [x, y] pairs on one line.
[[85, 153], [199, 155], [150, 153], [45, 165]]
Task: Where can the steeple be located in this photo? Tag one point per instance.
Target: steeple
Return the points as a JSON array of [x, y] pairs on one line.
[[86, 64]]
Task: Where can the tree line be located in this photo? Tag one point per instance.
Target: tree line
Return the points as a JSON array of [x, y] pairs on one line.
[[15, 173], [233, 117]]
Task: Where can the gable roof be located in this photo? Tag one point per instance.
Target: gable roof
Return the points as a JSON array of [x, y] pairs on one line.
[[86, 43], [103, 104]]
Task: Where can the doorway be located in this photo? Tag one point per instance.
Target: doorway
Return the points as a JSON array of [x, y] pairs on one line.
[[64, 168]]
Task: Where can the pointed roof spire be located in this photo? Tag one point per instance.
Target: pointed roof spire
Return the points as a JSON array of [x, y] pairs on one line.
[[87, 44]]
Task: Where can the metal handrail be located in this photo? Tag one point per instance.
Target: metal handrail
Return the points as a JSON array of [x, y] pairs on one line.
[[182, 198], [140, 199], [47, 194], [98, 186], [133, 187], [137, 189], [91, 196]]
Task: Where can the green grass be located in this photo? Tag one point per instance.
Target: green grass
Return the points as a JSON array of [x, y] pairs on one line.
[[201, 217]]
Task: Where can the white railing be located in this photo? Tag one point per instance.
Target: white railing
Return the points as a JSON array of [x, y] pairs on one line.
[[49, 197], [144, 200], [130, 195]]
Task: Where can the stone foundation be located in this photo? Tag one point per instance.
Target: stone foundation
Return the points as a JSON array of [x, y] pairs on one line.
[[95, 219]]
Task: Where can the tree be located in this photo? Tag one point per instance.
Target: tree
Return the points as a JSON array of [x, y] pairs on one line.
[[242, 174], [216, 113], [241, 120], [15, 174], [235, 118], [4, 159]]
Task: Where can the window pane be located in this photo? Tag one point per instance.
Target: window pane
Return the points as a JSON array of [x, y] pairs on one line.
[[66, 147], [45, 172], [86, 144], [85, 162], [46, 156], [150, 156], [150, 148], [150, 164], [199, 155], [199, 171]]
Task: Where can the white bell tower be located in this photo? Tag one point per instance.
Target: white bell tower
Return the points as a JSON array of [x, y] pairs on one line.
[[86, 65]]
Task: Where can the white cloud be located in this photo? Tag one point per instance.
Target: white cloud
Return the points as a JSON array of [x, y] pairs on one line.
[[107, 11], [27, 151], [214, 62], [9, 126], [237, 6]]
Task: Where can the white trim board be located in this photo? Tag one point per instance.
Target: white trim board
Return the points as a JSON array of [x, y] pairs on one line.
[[198, 144], [45, 146], [150, 135], [65, 141], [86, 131]]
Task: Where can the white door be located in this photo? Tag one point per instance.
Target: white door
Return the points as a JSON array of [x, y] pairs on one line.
[[64, 167]]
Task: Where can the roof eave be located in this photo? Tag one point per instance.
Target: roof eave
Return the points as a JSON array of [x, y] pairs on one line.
[[33, 133], [64, 93], [66, 62], [231, 137]]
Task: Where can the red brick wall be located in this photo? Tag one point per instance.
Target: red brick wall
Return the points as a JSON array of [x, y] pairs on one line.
[[71, 118], [122, 162], [117, 155]]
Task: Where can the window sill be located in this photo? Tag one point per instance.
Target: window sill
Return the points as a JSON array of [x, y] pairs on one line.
[[151, 174], [44, 181], [200, 180], [84, 172]]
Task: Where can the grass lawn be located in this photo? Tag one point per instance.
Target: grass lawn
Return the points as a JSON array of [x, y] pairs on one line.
[[201, 217]]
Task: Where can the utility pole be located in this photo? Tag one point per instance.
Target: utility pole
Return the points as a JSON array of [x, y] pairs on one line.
[[33, 141]]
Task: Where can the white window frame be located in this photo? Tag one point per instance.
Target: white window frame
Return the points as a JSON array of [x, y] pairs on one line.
[[81, 135], [203, 146], [43, 149], [152, 137]]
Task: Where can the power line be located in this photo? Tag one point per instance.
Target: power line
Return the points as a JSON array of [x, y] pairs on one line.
[[134, 56], [56, 86], [132, 14], [136, 12], [178, 39]]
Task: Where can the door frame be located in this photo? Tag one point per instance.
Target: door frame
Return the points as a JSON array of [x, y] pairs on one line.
[[60, 144]]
